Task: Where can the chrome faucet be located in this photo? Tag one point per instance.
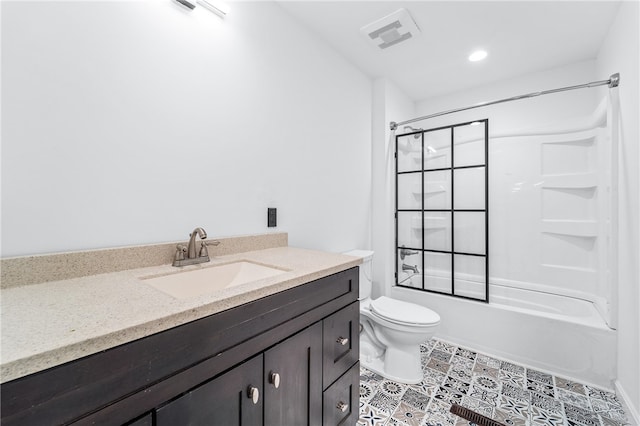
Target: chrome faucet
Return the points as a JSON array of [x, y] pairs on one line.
[[413, 268], [186, 255]]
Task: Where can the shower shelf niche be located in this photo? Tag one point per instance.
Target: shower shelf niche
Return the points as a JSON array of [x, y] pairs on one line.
[[577, 228], [573, 180], [435, 187]]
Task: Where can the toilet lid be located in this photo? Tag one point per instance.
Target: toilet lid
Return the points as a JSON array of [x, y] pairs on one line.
[[403, 312]]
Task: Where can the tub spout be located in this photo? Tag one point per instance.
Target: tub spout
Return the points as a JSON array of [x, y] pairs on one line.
[[412, 268]]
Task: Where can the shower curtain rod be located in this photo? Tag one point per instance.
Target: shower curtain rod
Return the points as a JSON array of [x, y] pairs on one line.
[[613, 81]]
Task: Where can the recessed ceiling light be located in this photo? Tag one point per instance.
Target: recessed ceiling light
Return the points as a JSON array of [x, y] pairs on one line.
[[478, 55]]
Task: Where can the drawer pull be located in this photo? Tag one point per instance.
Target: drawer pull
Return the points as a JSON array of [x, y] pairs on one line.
[[274, 379], [253, 394], [342, 340], [342, 406]]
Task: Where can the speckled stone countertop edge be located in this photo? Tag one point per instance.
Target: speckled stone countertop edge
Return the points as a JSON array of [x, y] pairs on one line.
[[37, 331]]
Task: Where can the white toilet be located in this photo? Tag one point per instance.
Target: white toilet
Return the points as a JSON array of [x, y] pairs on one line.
[[391, 330]]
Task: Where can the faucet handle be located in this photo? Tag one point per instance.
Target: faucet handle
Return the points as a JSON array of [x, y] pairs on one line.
[[181, 249], [204, 252], [203, 249]]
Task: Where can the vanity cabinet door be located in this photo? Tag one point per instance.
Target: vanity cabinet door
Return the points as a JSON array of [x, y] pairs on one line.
[[235, 398], [295, 366]]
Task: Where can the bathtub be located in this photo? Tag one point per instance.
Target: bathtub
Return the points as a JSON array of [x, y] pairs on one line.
[[560, 335]]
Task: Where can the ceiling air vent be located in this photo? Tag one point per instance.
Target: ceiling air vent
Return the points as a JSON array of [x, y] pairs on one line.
[[392, 29]]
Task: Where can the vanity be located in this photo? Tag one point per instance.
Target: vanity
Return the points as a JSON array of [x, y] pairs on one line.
[[279, 350]]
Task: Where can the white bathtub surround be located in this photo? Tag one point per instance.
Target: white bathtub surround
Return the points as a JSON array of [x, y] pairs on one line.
[[551, 202], [503, 390], [553, 333], [563, 201]]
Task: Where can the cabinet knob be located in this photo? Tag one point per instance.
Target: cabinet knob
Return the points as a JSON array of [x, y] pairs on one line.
[[274, 379], [342, 340], [342, 406], [253, 394]]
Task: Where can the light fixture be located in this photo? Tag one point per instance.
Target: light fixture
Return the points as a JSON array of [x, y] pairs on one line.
[[478, 55], [218, 7], [191, 4]]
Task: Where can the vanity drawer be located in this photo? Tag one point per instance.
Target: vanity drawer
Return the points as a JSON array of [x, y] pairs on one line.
[[341, 342], [340, 401]]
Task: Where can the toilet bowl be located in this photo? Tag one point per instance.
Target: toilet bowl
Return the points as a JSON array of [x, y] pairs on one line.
[[391, 331]]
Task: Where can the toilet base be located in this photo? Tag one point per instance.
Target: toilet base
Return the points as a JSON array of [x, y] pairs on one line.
[[368, 359]]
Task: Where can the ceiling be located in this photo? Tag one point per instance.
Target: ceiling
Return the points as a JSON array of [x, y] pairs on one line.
[[520, 36]]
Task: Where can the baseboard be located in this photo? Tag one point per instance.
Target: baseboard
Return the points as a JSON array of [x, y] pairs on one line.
[[628, 405]]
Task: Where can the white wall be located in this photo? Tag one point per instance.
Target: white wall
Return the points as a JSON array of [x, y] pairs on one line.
[[389, 104], [133, 122], [619, 53]]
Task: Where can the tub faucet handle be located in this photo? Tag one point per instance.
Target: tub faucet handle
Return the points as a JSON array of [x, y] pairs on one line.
[[404, 252]]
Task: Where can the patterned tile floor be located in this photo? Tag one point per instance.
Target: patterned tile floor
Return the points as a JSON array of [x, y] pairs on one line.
[[509, 393]]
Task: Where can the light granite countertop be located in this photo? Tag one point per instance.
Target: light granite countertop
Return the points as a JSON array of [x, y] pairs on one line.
[[48, 324]]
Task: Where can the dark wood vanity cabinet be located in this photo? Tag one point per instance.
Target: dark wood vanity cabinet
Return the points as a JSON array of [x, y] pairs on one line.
[[284, 381], [287, 359]]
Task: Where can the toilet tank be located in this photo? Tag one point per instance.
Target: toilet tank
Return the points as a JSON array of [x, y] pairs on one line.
[[365, 271]]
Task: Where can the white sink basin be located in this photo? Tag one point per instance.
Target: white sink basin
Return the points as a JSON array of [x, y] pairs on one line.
[[195, 282]]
